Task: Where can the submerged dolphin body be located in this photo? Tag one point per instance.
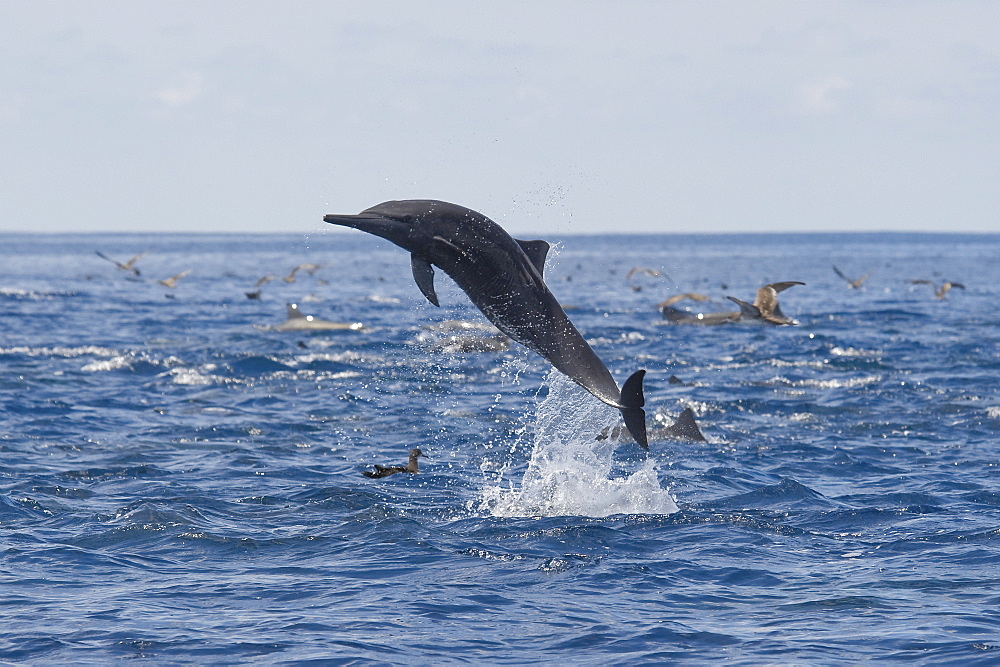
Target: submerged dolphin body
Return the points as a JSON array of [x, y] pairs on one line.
[[763, 310], [299, 321], [503, 278], [685, 427]]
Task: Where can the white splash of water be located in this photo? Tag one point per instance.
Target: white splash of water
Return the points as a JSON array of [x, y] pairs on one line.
[[112, 364], [569, 473]]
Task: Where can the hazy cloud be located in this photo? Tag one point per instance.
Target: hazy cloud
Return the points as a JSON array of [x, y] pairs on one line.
[[821, 96], [251, 115], [184, 92]]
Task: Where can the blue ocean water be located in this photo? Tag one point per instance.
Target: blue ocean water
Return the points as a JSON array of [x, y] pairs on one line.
[[180, 483]]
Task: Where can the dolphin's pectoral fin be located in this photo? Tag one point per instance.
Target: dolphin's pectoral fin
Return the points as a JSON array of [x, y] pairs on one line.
[[536, 252], [423, 274], [632, 401]]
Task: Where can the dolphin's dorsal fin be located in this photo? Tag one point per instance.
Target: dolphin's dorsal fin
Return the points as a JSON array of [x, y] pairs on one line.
[[423, 274], [536, 252], [686, 427], [293, 311], [746, 309]]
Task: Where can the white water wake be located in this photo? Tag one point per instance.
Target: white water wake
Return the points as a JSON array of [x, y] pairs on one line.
[[570, 471]]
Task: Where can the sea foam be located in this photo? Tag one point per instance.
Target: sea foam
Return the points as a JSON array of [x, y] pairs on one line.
[[570, 471]]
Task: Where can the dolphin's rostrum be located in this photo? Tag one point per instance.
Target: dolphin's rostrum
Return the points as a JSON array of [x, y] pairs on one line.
[[503, 278]]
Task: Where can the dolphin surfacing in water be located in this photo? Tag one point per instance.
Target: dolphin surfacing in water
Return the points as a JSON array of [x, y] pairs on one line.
[[299, 321], [503, 278]]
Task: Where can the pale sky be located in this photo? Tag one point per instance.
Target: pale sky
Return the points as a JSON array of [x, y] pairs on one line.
[[561, 117]]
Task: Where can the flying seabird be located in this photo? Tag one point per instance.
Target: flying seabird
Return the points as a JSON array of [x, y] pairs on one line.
[[855, 283], [171, 282], [308, 268], [939, 292], [765, 305], [764, 309], [640, 269], [385, 471], [126, 266], [694, 296]]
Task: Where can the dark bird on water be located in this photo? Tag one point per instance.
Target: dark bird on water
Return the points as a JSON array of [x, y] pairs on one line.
[[260, 283], [124, 266], [855, 283], [939, 292], [385, 471]]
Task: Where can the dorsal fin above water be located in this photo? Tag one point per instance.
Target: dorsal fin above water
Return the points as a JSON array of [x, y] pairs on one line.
[[536, 251], [686, 428], [293, 311], [746, 309]]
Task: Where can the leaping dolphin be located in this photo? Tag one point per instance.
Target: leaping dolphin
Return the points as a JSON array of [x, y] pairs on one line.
[[503, 278]]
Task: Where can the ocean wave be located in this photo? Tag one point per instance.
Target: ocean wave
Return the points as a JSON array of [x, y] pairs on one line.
[[198, 466], [818, 383], [36, 295], [64, 352]]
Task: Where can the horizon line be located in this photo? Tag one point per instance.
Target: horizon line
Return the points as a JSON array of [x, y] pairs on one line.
[[345, 232]]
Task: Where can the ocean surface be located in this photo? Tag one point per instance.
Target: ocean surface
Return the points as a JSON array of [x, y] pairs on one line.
[[181, 483]]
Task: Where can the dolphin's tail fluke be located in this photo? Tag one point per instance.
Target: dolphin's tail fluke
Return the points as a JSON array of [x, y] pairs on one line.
[[632, 402]]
